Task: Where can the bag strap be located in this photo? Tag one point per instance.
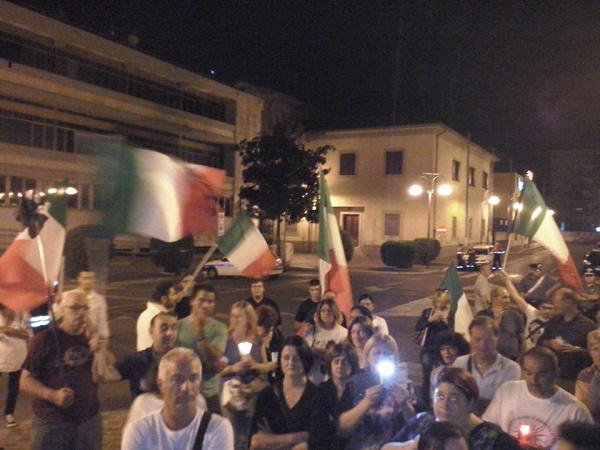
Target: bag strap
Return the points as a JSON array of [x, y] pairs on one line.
[[202, 430], [470, 364], [535, 286]]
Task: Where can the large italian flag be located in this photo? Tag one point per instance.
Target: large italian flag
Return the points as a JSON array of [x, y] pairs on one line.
[[245, 247], [459, 305], [31, 265], [154, 195], [534, 220], [333, 268]]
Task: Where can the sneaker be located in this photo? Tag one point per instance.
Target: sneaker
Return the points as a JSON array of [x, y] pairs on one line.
[[10, 421]]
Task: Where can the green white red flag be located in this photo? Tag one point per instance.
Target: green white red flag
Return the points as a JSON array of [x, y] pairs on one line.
[[459, 305], [154, 195], [536, 222], [245, 247], [333, 268], [31, 265]]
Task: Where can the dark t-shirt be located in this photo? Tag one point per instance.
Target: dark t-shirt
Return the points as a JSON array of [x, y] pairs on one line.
[[306, 311], [183, 308], [575, 333], [141, 370], [70, 367], [539, 293], [265, 301]]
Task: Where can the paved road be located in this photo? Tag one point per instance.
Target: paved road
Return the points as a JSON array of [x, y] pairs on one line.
[[400, 297]]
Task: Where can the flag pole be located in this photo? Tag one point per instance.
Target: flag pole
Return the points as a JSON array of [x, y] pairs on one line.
[[508, 244], [205, 259]]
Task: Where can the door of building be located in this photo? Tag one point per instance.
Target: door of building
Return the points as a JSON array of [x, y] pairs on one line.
[[350, 224]]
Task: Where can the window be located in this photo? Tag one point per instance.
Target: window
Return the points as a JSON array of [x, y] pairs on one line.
[[391, 224], [454, 226], [471, 176], [393, 162], [484, 180], [348, 164], [455, 170]]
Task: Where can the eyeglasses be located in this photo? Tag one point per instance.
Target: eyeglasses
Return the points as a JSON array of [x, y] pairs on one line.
[[326, 310]]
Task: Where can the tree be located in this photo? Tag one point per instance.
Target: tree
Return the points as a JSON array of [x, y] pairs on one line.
[[280, 175]]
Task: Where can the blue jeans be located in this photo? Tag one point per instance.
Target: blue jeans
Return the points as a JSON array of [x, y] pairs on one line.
[[67, 436]]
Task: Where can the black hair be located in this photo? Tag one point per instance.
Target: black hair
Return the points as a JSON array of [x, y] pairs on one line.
[[202, 287], [453, 339], [364, 296], [314, 282], [364, 311], [344, 349], [436, 435], [302, 348], [582, 436], [161, 290]]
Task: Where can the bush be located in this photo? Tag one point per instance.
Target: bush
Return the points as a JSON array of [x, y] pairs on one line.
[[348, 245], [75, 256], [172, 256], [400, 254], [427, 250]]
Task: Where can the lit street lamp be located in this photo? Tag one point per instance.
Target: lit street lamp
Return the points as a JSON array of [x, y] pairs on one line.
[[429, 180]]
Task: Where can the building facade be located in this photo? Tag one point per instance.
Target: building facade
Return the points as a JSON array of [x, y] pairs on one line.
[[372, 169], [61, 87]]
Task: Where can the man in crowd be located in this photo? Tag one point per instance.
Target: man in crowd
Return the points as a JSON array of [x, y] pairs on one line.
[[489, 368], [182, 308], [378, 322], [180, 423], [164, 298], [98, 310], [566, 335], [58, 375], [536, 401], [257, 289], [536, 286], [482, 288], [536, 318], [588, 299], [141, 367], [307, 308], [207, 337]]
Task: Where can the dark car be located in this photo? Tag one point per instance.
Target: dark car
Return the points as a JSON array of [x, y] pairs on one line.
[[592, 259]]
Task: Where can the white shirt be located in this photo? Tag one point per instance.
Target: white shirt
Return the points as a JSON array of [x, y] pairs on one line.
[[98, 313], [319, 339], [502, 370], [379, 322], [151, 432], [150, 402], [144, 340], [482, 289], [513, 406]]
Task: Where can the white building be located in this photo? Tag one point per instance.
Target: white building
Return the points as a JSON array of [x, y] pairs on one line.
[[60, 85], [372, 170]]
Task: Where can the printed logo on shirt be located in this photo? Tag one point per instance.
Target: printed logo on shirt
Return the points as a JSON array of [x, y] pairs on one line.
[[540, 433], [76, 356]]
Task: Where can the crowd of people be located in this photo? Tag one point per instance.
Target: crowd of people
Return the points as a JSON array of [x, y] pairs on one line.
[[527, 375]]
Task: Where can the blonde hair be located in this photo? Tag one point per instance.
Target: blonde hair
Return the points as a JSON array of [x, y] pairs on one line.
[[443, 297], [251, 320], [593, 338], [380, 338]]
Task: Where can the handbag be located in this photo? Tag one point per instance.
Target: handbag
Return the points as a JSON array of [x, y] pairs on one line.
[[420, 336]]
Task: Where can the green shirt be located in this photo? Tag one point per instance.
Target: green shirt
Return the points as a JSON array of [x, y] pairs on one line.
[[216, 335]]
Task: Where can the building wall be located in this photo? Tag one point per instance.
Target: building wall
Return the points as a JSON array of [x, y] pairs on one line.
[[370, 195]]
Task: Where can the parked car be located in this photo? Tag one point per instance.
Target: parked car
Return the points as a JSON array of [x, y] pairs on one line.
[[471, 258], [592, 259], [223, 268]]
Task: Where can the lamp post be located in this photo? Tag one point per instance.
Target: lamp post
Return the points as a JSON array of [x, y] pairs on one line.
[[429, 179]]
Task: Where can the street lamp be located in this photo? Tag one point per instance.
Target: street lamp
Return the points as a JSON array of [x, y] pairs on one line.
[[429, 179]]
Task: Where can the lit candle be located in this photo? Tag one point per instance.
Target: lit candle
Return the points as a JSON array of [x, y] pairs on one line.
[[386, 369], [244, 348], [524, 434]]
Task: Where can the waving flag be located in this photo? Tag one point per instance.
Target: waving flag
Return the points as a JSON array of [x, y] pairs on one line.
[[534, 220], [246, 248], [157, 196], [459, 305], [333, 269], [31, 264]]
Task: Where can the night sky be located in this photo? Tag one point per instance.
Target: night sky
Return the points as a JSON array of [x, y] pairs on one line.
[[521, 77]]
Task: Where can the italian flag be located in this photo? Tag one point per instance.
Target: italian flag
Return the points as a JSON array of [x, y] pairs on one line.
[[154, 195], [459, 305], [333, 269], [31, 265], [245, 247], [534, 221]]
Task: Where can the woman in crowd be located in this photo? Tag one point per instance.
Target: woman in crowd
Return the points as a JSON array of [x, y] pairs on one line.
[[443, 436], [323, 334], [432, 321], [290, 412], [342, 364], [15, 333], [448, 346], [586, 386], [359, 332], [270, 336], [377, 405], [244, 375], [455, 394]]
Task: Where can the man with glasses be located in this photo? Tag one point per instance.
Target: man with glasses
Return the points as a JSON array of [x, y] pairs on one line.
[[588, 299], [58, 375], [536, 318]]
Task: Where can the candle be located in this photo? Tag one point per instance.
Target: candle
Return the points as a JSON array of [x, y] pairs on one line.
[[245, 348], [524, 434], [386, 369]]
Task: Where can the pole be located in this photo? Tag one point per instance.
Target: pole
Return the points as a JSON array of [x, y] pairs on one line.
[[209, 253], [429, 206]]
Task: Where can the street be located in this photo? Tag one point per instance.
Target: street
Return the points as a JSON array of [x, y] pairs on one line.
[[400, 296]]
